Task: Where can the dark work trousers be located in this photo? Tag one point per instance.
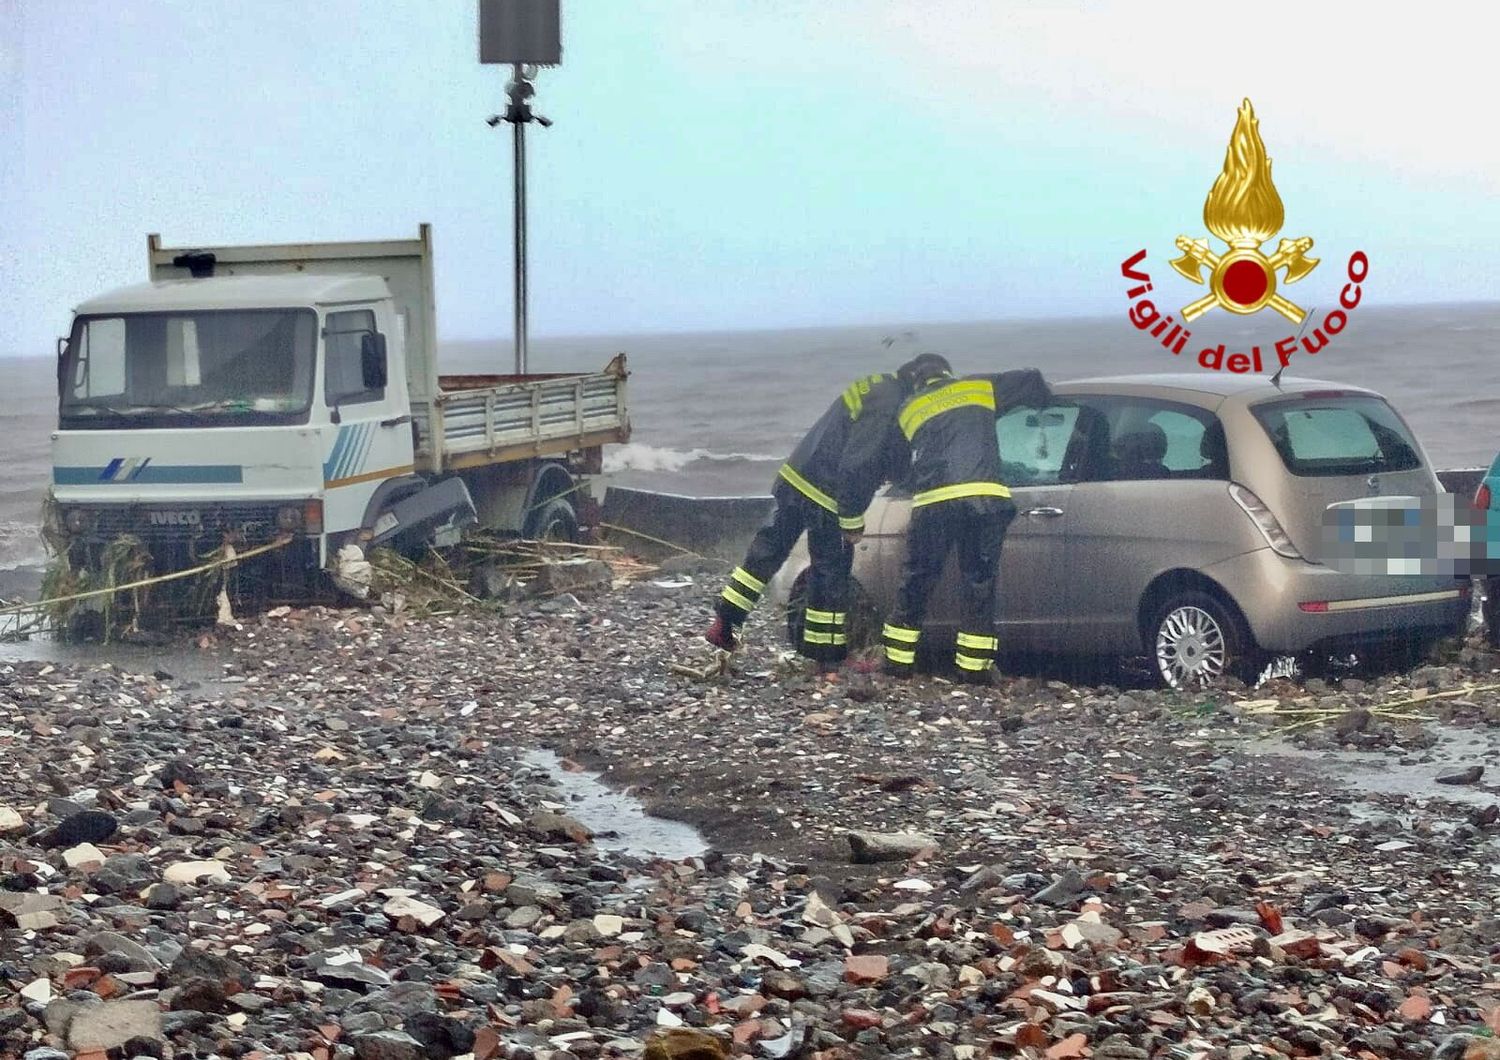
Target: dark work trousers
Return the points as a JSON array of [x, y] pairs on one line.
[[824, 637], [975, 527]]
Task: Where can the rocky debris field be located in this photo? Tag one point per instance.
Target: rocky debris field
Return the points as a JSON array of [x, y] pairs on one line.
[[340, 847]]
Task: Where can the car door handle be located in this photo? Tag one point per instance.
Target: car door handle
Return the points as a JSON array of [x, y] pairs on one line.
[[396, 421], [1044, 513]]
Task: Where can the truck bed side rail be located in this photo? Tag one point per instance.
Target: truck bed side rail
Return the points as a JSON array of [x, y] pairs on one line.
[[518, 420]]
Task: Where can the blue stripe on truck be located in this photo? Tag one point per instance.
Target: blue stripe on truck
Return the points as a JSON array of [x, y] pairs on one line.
[[150, 474], [331, 464]]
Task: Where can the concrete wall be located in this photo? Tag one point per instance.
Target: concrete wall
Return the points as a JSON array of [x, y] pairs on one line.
[[719, 527]]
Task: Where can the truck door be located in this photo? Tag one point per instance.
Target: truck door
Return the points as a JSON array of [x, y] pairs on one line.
[[370, 439]]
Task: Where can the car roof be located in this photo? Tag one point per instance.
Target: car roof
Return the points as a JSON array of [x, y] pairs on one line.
[[282, 290], [1200, 388]]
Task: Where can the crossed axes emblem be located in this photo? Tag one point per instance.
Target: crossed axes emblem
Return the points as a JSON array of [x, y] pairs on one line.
[[1250, 276]]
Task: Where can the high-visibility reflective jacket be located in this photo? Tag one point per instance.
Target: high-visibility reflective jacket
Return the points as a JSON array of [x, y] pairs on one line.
[[851, 450], [950, 425]]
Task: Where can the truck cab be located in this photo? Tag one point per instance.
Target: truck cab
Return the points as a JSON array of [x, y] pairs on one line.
[[255, 405]]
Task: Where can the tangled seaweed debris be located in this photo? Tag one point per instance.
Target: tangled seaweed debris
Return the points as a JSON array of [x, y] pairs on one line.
[[115, 599], [125, 561], [117, 595], [337, 851], [488, 572]]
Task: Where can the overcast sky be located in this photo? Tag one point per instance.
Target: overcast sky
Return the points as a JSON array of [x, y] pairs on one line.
[[744, 163]]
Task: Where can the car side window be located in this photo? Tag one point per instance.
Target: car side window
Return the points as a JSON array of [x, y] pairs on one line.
[[1036, 445], [1145, 439]]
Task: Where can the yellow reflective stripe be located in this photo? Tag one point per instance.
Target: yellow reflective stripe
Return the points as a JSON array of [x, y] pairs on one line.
[[901, 633], [899, 655], [807, 489], [962, 489], [839, 617], [839, 638], [817, 638], [748, 580], [826, 617], [737, 600], [970, 640], [968, 662], [945, 399], [851, 522]]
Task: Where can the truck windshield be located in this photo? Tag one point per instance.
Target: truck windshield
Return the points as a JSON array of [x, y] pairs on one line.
[[1319, 435], [210, 368]]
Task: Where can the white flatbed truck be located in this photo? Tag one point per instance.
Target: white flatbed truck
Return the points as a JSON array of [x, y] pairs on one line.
[[249, 393]]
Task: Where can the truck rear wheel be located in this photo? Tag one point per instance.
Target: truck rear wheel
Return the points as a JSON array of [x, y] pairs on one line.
[[557, 521]]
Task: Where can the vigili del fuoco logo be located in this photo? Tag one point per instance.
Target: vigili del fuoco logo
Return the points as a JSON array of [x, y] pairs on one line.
[[1244, 210]]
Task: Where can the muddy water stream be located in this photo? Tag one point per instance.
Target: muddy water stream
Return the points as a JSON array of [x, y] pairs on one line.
[[618, 820]]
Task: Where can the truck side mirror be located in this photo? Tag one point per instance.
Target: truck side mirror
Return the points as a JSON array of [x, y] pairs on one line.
[[372, 362]]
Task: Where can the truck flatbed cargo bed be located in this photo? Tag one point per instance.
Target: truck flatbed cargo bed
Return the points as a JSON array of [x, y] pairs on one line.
[[485, 419]]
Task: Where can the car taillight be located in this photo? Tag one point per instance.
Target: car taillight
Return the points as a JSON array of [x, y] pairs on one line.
[[1482, 498], [1316, 607], [1264, 521], [312, 516]]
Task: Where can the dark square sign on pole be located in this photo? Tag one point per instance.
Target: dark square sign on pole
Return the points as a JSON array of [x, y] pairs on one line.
[[520, 31]]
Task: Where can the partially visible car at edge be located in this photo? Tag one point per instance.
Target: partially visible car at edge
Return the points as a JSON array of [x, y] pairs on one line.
[[1487, 502], [1181, 517]]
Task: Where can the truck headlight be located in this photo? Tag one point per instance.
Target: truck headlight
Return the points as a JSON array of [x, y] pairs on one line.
[[306, 517], [78, 520]]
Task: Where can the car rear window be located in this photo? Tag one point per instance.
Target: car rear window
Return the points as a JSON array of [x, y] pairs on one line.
[[1338, 435]]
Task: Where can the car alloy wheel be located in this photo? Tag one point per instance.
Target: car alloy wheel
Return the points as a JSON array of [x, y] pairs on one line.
[[1191, 648]]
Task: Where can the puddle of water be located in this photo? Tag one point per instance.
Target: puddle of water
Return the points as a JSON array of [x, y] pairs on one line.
[[619, 821], [1378, 773], [183, 661]]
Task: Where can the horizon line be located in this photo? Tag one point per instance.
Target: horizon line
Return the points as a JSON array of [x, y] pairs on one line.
[[507, 342]]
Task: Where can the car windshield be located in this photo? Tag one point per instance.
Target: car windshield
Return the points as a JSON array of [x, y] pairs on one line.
[[1352, 434], [208, 368]]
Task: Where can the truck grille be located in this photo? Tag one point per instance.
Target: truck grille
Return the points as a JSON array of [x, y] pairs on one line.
[[249, 524]]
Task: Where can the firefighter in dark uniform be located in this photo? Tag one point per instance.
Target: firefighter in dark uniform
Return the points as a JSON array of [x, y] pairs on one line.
[[823, 488], [959, 502]]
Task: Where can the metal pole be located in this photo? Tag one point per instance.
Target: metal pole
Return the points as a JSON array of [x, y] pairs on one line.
[[519, 133]]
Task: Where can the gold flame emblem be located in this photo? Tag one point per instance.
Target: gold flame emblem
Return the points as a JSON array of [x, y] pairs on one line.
[[1244, 210]]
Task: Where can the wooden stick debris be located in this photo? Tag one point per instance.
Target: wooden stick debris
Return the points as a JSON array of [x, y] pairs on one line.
[[653, 540], [1404, 710]]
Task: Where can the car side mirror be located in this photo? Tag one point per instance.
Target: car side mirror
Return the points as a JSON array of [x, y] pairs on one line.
[[372, 361]]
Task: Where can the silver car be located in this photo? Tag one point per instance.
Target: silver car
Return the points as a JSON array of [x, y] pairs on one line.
[[1181, 517]]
